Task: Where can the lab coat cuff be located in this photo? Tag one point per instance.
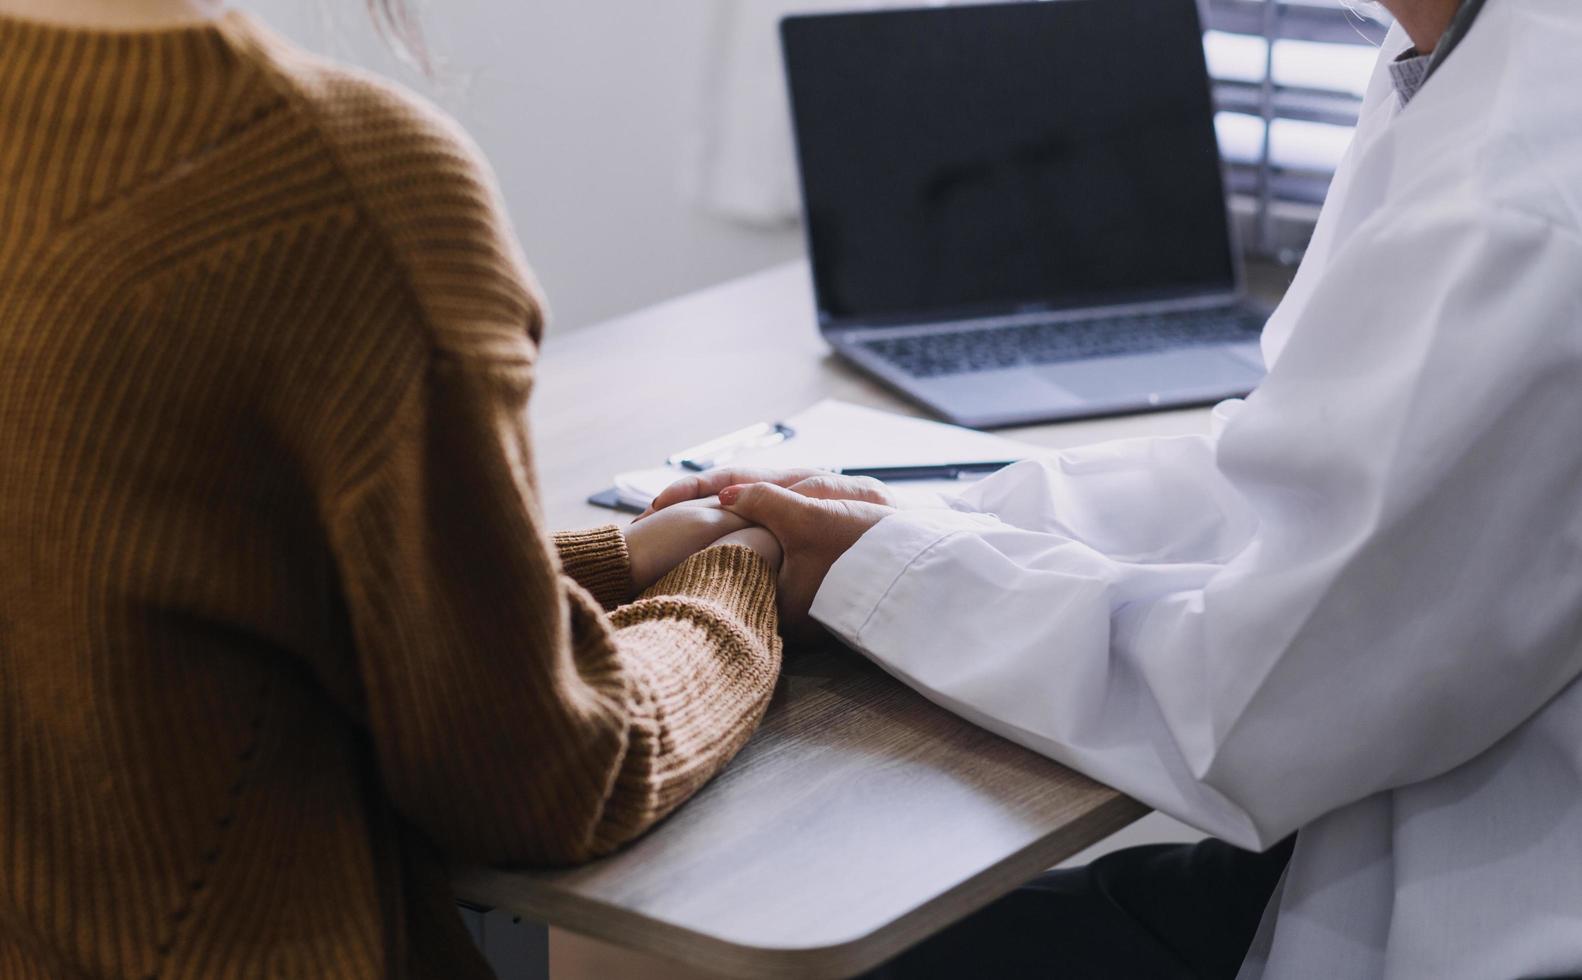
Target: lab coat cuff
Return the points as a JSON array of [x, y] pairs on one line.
[[914, 498], [861, 579]]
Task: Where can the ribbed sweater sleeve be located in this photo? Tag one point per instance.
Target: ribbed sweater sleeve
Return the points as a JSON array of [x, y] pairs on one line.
[[514, 719], [598, 561]]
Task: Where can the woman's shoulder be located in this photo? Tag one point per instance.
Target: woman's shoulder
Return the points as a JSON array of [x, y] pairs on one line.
[[426, 188]]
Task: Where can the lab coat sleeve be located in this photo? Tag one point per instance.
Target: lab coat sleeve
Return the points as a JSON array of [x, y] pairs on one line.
[[1107, 496], [1407, 586]]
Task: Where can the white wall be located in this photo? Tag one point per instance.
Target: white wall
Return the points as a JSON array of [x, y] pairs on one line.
[[589, 110]]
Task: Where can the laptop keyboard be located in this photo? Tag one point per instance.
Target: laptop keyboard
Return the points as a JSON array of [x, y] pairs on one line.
[[937, 355]]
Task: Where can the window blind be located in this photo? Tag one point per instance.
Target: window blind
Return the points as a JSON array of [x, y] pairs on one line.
[[1289, 76]]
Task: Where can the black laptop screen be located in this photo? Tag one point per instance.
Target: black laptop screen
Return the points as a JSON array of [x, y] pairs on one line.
[[1006, 157]]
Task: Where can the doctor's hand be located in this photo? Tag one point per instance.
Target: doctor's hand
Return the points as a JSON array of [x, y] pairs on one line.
[[808, 482], [814, 532], [666, 540]]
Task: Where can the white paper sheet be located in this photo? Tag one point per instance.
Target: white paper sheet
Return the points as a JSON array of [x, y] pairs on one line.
[[839, 435]]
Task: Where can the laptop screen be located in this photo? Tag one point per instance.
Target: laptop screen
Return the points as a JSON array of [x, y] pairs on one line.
[[1009, 157]]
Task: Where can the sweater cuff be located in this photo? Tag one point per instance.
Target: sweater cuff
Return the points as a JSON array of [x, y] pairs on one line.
[[598, 561], [732, 577]]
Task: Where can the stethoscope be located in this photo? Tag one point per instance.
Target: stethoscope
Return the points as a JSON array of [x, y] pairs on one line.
[[1454, 35]]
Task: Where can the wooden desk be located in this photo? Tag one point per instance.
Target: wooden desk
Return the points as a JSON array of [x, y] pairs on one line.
[[862, 818]]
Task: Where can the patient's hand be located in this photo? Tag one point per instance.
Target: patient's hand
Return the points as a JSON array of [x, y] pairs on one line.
[[815, 533], [664, 541], [820, 484], [761, 541]]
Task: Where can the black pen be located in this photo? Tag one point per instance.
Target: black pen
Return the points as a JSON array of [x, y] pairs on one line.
[[941, 471]]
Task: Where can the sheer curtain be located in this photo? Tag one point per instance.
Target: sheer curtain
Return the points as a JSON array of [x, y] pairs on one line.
[[745, 166]]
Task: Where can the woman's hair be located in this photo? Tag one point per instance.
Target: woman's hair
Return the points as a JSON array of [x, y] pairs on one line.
[[1370, 9], [399, 26]]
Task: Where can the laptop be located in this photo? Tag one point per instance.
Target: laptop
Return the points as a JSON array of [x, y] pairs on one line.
[[1016, 212]]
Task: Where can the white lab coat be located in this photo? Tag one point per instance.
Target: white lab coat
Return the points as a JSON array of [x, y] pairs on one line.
[[1356, 610]]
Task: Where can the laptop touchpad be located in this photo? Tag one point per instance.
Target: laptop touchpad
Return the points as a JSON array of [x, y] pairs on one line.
[[1166, 374]]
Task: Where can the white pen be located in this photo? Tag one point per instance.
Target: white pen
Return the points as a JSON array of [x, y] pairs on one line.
[[710, 454]]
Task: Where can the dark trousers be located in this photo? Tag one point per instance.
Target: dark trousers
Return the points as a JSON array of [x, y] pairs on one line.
[[1168, 912]]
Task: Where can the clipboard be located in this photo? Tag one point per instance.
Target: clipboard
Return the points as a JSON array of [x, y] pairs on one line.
[[835, 435]]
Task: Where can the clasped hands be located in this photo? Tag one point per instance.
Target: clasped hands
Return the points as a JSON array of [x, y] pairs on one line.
[[800, 521]]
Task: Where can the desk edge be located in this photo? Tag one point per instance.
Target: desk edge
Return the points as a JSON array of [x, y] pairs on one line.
[[632, 930]]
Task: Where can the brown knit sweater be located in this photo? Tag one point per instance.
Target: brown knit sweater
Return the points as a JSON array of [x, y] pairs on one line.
[[281, 629]]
